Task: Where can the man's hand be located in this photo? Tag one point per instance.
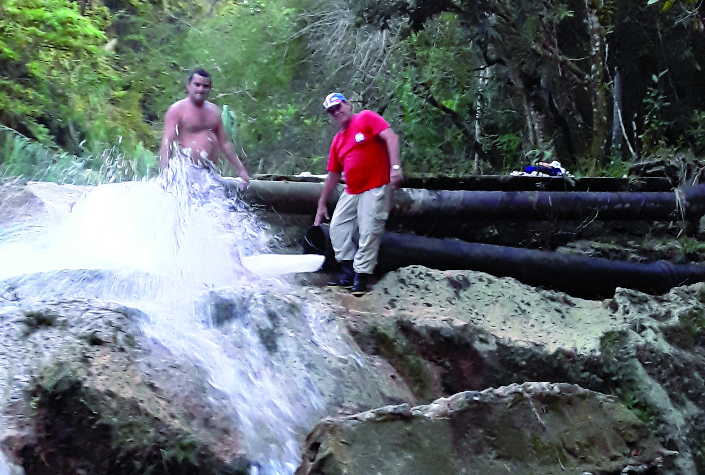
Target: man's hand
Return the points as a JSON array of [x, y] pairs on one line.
[[392, 141], [329, 185], [321, 214], [395, 178], [245, 177]]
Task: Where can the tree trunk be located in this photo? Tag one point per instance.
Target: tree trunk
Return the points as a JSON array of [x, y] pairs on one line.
[[617, 136], [595, 78], [479, 116]]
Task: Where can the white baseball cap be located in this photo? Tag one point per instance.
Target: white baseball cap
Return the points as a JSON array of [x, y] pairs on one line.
[[332, 99]]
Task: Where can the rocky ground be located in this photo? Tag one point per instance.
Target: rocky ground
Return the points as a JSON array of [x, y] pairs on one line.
[[446, 332], [447, 372], [87, 394], [523, 429]]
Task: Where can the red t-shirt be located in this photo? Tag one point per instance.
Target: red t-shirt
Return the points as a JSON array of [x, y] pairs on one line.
[[360, 153]]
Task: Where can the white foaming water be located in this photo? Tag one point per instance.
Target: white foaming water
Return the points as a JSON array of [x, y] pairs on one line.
[[176, 239], [4, 466]]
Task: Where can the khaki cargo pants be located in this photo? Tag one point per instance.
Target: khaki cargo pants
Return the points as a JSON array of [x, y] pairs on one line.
[[357, 226]]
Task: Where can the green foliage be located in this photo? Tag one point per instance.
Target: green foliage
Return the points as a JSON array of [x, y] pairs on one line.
[[229, 123], [30, 160], [508, 146], [20, 157], [438, 83], [616, 166], [93, 79], [254, 62], [58, 85], [50, 52], [656, 122], [636, 404], [668, 4], [184, 449], [695, 132], [433, 66], [691, 250]]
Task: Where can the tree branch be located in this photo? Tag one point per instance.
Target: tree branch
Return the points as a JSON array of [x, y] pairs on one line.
[[424, 91], [580, 75]]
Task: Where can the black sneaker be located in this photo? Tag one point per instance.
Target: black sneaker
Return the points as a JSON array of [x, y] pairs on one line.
[[359, 286], [345, 276]]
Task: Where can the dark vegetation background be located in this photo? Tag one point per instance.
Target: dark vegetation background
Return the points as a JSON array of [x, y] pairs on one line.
[[482, 86]]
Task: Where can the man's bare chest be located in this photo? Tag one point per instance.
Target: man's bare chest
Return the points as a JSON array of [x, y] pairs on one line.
[[199, 121]]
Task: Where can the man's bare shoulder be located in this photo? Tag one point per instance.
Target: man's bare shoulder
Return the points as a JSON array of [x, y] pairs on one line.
[[212, 107], [178, 105], [176, 108]]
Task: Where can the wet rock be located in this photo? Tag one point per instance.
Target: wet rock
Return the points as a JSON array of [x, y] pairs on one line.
[[521, 429], [21, 204], [86, 393], [309, 346], [90, 389]]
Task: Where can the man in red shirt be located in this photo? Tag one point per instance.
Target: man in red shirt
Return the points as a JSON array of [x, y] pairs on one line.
[[366, 150]]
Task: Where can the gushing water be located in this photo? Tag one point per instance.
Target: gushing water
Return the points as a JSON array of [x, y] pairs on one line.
[[4, 465], [172, 247]]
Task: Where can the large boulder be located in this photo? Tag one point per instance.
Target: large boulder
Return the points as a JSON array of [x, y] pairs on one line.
[[520, 429], [88, 394], [451, 331], [34, 201]]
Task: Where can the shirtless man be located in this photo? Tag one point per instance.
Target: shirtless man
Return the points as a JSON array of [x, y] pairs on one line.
[[195, 125]]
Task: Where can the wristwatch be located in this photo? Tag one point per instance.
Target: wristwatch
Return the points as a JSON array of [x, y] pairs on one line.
[[396, 167]]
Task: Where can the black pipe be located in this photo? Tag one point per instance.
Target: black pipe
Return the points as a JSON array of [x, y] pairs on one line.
[[689, 202], [289, 197], [510, 182], [580, 276]]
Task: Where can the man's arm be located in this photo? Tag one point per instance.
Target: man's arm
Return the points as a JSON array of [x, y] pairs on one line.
[[171, 124], [392, 141], [227, 149], [331, 182]]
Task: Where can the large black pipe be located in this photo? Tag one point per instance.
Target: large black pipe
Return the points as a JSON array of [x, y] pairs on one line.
[[287, 196], [511, 183], [301, 198], [419, 203], [577, 275]]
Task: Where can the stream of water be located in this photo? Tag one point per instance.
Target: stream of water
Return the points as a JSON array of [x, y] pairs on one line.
[[165, 244], [4, 465]]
